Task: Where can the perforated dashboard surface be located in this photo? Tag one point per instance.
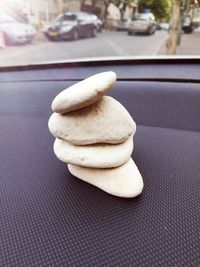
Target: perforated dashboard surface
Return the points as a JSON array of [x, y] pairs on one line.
[[50, 218]]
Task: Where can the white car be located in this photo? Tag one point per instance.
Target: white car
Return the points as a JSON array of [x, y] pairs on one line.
[[143, 23], [16, 32], [164, 26]]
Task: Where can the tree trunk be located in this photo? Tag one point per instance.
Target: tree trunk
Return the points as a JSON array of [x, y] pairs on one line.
[[82, 4], [172, 41], [187, 6], [123, 10], [94, 2], [106, 5]]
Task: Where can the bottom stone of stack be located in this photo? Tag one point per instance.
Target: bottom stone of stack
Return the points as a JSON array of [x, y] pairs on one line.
[[124, 181]]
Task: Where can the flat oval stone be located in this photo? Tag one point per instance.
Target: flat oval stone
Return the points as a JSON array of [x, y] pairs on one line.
[[106, 121], [84, 93], [124, 181], [94, 156]]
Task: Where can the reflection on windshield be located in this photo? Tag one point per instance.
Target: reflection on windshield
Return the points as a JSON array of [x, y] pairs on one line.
[[48, 30]]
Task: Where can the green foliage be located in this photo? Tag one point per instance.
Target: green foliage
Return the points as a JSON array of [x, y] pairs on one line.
[[160, 8]]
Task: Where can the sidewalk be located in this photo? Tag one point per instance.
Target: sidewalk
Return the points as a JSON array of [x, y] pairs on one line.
[[190, 45]]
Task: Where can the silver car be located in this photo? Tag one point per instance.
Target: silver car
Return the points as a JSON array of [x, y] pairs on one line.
[[16, 32], [142, 23]]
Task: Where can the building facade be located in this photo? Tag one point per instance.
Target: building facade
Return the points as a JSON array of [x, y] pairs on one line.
[[42, 11]]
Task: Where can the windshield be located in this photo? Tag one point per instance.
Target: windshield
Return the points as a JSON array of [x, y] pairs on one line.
[[141, 17], [7, 19], [65, 18], [42, 31]]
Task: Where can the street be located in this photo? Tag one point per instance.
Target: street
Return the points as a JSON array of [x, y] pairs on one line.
[[107, 43]]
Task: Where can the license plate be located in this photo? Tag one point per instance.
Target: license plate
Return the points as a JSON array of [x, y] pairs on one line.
[[53, 33]]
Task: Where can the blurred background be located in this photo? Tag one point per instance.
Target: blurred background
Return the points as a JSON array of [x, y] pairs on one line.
[[34, 31]]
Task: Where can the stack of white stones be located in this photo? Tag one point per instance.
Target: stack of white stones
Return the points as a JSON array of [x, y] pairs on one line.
[[94, 135]]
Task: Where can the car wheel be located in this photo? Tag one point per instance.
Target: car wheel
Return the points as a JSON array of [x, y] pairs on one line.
[[129, 33], [94, 32], [8, 40], [50, 38], [30, 41], [151, 31], [75, 35], [188, 30], [100, 29]]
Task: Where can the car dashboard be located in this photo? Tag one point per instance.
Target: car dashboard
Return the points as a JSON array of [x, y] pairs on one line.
[[50, 218]]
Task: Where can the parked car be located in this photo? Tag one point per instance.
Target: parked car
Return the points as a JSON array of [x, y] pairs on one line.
[[187, 24], [143, 23], [16, 32], [92, 18], [164, 26], [97, 21], [123, 25], [72, 25]]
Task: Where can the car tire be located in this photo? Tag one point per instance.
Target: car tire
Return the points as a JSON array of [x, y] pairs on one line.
[[129, 33], [8, 40], [75, 35], [93, 32], [50, 38], [100, 29], [151, 31], [188, 30]]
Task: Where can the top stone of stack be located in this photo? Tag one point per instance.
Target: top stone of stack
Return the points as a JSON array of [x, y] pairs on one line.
[[84, 93]]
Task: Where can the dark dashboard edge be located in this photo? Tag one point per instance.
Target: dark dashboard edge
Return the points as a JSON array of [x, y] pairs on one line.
[[165, 80], [99, 62]]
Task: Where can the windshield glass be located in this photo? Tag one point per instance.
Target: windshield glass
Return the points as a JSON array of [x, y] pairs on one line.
[[6, 19], [66, 18], [140, 17], [43, 31]]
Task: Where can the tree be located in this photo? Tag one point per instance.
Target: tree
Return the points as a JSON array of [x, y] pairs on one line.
[[176, 25], [160, 8], [106, 4], [188, 4], [122, 5], [174, 28]]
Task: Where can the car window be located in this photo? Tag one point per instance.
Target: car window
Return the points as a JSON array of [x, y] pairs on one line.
[[7, 19], [85, 17], [143, 17], [67, 18], [32, 32], [140, 17]]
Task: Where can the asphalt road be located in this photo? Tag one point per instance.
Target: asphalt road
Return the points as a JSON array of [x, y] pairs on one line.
[[107, 43]]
